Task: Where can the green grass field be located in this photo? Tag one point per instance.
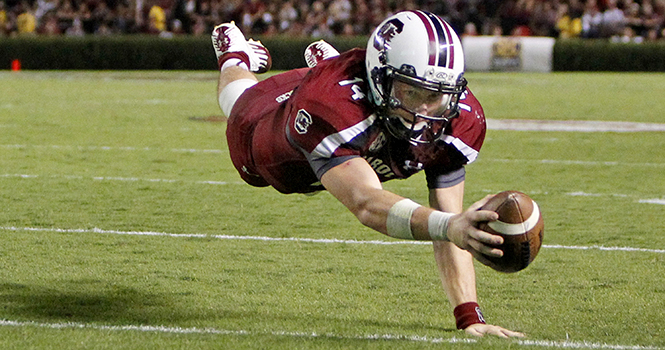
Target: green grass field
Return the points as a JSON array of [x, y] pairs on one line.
[[124, 225]]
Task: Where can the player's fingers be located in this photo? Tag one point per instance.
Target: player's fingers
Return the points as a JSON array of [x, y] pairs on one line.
[[485, 238], [512, 333], [475, 332], [483, 216], [497, 332], [504, 333], [480, 330], [485, 249]]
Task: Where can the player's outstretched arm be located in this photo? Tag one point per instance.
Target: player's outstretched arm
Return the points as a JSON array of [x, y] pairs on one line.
[[356, 185], [456, 269]]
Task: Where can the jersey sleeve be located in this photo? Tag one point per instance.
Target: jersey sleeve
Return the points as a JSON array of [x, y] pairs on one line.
[[462, 142], [468, 129]]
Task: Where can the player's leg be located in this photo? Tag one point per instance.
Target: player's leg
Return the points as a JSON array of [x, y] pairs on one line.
[[238, 60]]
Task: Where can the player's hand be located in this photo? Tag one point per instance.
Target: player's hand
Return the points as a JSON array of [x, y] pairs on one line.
[[480, 329], [463, 231]]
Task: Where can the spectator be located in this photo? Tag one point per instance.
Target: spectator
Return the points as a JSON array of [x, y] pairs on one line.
[[652, 20], [103, 29], [566, 25], [26, 22], [316, 19], [85, 16], [65, 15], [325, 18], [348, 29], [591, 20], [157, 19], [4, 20], [264, 20], [339, 14], [184, 11], [200, 27], [101, 15], [49, 25], [613, 21], [123, 23], [627, 36], [544, 19], [287, 15], [362, 17], [470, 29], [251, 16], [76, 28], [176, 27], [632, 17], [45, 6], [209, 12]]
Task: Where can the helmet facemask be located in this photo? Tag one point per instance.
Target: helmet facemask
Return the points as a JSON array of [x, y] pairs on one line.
[[416, 109]]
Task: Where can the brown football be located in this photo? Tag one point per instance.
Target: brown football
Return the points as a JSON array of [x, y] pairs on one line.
[[521, 226]]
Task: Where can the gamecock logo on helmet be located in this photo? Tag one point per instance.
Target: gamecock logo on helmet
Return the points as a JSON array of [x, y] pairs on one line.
[[387, 33]]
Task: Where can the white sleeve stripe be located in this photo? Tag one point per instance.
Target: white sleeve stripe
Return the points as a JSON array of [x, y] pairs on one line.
[[330, 144], [470, 153]]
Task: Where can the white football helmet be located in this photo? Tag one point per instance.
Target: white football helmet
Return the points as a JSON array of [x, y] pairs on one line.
[[421, 50]]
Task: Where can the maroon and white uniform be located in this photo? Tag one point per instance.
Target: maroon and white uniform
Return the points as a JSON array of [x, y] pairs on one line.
[[288, 130]]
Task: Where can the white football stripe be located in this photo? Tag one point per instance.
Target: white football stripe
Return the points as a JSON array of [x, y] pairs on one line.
[[517, 229]]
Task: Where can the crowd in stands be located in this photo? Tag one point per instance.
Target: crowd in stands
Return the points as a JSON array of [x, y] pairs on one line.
[[619, 20]]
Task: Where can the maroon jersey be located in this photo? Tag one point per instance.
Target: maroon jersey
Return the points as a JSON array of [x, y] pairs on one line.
[[288, 130]]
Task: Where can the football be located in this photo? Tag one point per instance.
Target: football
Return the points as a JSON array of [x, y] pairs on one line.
[[521, 226]]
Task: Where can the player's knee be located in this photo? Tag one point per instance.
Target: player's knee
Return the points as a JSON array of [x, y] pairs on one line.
[[231, 92]]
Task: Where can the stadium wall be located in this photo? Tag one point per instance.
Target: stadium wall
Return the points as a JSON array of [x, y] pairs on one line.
[[195, 53]]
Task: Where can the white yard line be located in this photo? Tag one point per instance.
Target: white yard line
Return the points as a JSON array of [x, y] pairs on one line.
[[572, 162], [110, 148], [308, 334], [119, 178], [572, 125], [296, 239]]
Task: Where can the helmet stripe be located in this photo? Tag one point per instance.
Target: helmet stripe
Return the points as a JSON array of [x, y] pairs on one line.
[[448, 46], [441, 43], [430, 35], [445, 48]]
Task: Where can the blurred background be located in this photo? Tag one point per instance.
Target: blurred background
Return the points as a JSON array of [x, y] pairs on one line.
[[618, 20]]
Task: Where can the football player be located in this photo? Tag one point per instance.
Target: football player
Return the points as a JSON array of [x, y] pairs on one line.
[[363, 117]]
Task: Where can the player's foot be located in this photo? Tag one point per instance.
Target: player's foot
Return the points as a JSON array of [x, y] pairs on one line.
[[264, 60], [319, 51], [227, 38]]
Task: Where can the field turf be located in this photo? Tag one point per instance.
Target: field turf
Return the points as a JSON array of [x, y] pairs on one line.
[[124, 226]]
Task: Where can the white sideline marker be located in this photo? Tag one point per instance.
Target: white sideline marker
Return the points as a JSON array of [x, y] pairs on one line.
[[296, 239], [414, 338]]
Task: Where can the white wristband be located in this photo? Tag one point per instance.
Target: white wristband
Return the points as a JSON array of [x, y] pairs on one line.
[[437, 225], [398, 223]]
